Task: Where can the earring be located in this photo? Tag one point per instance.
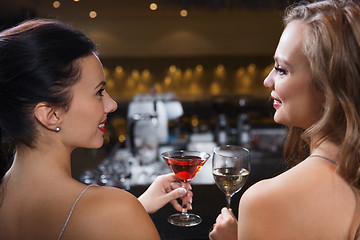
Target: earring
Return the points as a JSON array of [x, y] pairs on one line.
[[57, 129]]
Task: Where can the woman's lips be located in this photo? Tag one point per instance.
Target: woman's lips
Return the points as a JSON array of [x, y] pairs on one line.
[[102, 126], [277, 103]]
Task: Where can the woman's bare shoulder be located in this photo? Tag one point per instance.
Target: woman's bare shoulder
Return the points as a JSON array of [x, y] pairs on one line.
[[297, 186], [263, 195], [267, 209], [110, 213], [270, 189], [304, 177], [297, 199]]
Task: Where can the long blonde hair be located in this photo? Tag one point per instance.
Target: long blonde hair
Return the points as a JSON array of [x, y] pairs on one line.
[[332, 47]]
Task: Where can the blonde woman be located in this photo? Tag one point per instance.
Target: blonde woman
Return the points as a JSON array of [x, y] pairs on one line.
[[315, 86]]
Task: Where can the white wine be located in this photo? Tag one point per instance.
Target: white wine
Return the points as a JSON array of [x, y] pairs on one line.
[[230, 180]]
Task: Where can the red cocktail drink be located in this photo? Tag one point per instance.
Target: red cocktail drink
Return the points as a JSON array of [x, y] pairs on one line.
[[185, 165]]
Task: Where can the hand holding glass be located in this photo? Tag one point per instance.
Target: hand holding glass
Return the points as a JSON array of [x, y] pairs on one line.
[[231, 168], [185, 165]]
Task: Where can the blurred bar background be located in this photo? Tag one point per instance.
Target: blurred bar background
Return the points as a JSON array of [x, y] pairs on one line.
[[209, 56], [186, 74]]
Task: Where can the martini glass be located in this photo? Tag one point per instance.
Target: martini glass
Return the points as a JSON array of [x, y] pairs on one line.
[[231, 168], [185, 165]]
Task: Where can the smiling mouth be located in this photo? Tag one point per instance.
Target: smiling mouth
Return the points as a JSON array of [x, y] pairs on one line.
[[102, 126], [277, 103]]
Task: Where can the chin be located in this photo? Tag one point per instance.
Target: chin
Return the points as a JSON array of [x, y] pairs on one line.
[[96, 145], [277, 118], [280, 119], [100, 144]]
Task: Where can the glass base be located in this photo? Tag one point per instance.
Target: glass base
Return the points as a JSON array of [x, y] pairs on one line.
[[184, 219]]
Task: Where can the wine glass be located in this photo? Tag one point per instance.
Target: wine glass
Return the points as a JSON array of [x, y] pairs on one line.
[[185, 165], [231, 168]]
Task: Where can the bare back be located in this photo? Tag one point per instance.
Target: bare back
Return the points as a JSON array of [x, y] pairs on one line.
[[39, 212]]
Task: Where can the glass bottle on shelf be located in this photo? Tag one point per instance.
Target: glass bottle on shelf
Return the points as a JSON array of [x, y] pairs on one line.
[[222, 130], [243, 125]]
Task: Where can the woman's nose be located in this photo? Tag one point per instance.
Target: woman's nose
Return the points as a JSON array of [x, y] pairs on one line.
[[269, 81], [110, 105]]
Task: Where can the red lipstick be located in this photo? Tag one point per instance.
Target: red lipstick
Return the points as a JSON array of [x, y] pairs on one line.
[[276, 103], [102, 126]]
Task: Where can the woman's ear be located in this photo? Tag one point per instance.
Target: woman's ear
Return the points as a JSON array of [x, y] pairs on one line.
[[47, 116]]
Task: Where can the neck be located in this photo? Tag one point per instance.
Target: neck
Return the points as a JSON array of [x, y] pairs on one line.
[[40, 162], [327, 149]]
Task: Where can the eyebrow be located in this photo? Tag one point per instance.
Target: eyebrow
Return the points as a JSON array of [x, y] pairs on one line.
[[101, 84], [282, 60]]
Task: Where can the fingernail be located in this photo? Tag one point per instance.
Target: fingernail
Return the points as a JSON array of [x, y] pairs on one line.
[[182, 191]]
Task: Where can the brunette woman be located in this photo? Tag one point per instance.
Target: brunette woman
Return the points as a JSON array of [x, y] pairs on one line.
[[53, 100]]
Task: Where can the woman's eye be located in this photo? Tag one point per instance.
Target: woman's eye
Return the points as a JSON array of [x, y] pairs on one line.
[[280, 70], [100, 92]]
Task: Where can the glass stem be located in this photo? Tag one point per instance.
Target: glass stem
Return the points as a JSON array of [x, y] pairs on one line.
[[184, 199], [228, 201]]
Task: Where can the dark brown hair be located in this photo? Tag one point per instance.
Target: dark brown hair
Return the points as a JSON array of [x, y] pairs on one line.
[[37, 64]]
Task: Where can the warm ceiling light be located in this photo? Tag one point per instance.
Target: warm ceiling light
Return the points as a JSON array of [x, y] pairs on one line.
[[183, 13], [172, 69], [119, 69], [153, 6], [93, 14], [76, 0], [56, 4], [199, 68]]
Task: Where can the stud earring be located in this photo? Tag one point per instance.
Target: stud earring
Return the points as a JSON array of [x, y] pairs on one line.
[[57, 129]]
